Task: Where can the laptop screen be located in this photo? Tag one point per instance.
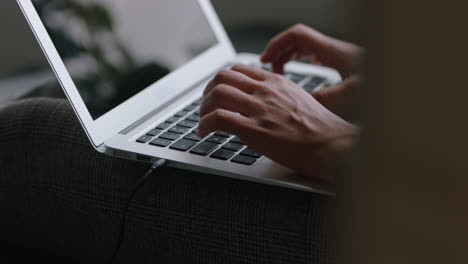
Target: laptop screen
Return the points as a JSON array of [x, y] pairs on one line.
[[114, 49]]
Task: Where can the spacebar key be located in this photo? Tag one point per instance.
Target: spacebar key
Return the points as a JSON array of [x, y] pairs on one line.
[[204, 148]]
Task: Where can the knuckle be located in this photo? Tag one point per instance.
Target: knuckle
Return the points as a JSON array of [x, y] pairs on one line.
[[279, 79], [267, 123], [266, 117], [287, 82], [260, 87], [219, 116], [238, 67], [299, 27], [269, 105], [221, 76], [261, 108], [219, 92]]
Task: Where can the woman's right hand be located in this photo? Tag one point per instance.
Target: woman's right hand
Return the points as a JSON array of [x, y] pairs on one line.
[[302, 41]]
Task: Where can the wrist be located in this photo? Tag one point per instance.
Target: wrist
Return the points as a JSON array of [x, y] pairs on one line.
[[338, 148], [330, 152]]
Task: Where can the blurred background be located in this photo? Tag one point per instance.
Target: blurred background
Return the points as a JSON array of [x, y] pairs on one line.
[[250, 24]]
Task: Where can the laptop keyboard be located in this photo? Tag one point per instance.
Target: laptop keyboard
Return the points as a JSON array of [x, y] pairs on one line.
[[179, 132]]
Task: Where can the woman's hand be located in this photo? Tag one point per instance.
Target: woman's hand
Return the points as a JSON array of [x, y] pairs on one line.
[[275, 117], [302, 41]]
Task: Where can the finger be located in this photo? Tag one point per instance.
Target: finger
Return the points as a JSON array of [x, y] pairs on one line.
[[284, 41], [253, 72], [228, 98], [340, 94], [330, 96], [314, 59], [307, 41], [226, 121], [278, 64], [232, 78]]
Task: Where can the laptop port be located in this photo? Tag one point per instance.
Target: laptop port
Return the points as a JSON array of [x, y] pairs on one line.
[[143, 158]]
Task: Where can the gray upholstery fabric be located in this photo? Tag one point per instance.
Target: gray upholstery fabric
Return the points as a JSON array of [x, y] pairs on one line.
[[60, 195]]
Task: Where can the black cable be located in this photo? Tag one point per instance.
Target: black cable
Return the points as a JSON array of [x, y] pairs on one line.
[[156, 165]]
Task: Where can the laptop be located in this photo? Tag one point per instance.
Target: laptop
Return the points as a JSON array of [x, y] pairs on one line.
[[134, 73]]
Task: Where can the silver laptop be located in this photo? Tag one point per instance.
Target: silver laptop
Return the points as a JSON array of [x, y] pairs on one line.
[[134, 73]]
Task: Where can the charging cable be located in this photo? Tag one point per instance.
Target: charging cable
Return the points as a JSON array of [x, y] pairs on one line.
[[156, 165]]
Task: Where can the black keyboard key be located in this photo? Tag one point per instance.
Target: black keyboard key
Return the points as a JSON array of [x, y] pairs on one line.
[[313, 83], [204, 148], [172, 120], [190, 107], [169, 136], [266, 68], [160, 142], [178, 130], [222, 134], [181, 113], [197, 112], [193, 136], [297, 78], [216, 139], [163, 126], [195, 130], [153, 132], [144, 139], [188, 124], [198, 102], [246, 160], [318, 79], [237, 140], [223, 154], [183, 145], [193, 118], [232, 146], [251, 153]]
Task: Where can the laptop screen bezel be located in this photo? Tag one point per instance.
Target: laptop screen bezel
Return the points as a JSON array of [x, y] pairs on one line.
[[147, 100]]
